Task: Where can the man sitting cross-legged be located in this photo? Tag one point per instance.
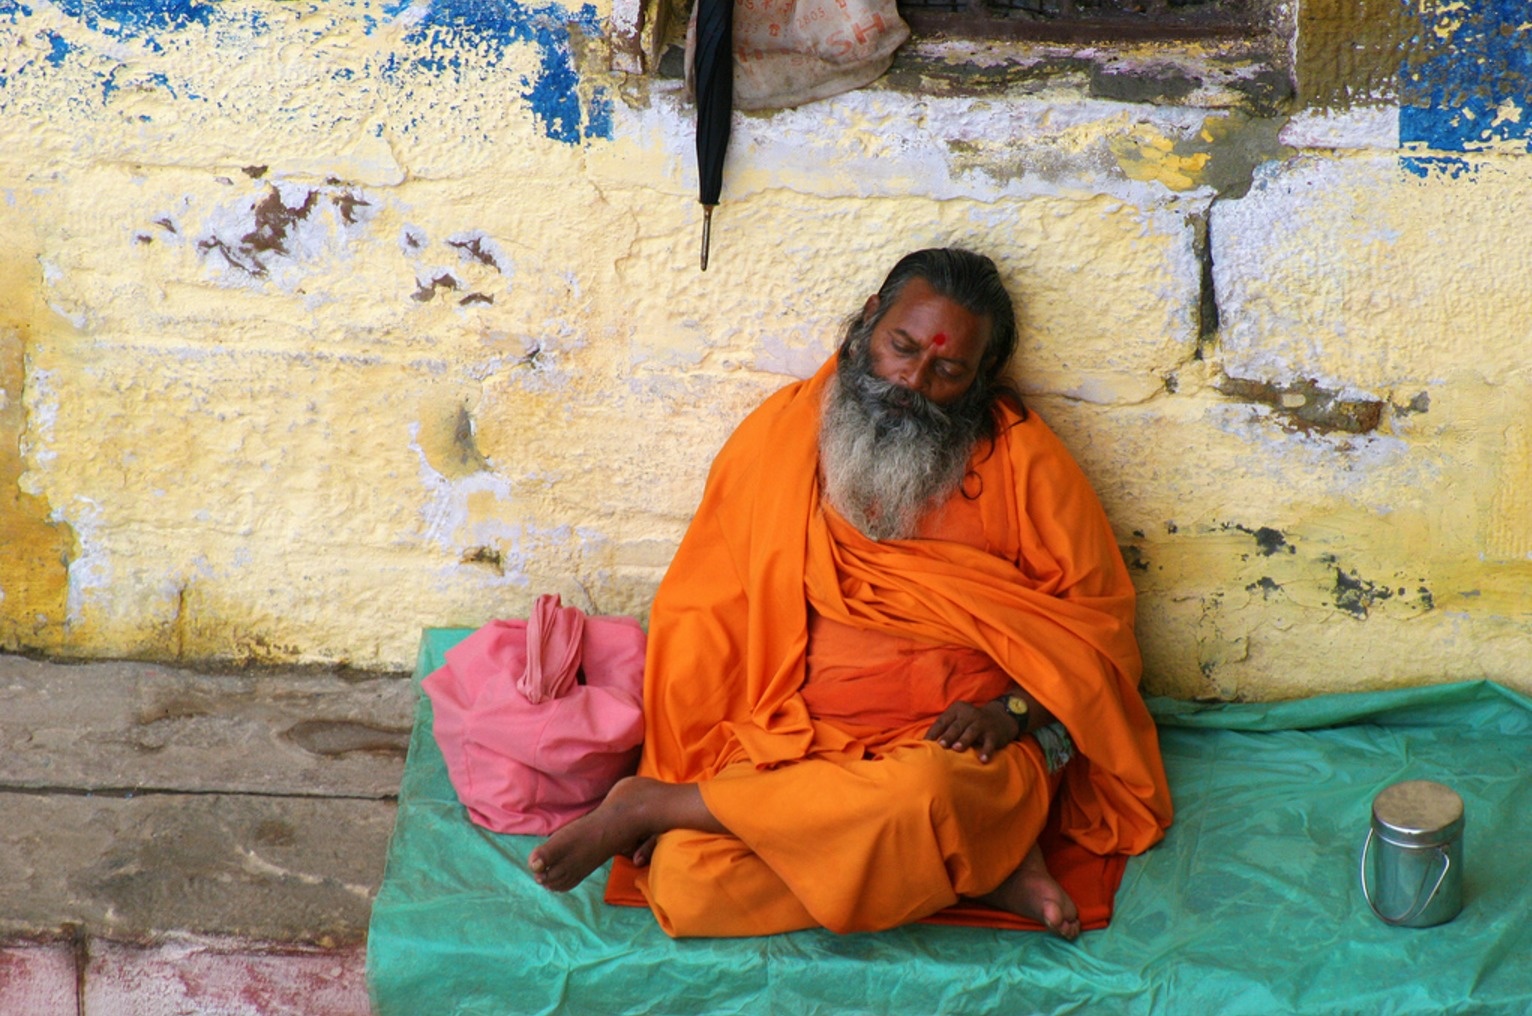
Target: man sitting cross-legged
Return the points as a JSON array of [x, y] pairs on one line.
[[896, 615]]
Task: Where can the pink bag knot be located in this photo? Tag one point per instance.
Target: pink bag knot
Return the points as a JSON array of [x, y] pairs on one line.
[[554, 634]]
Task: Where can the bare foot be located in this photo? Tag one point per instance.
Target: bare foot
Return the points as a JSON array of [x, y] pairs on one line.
[[1032, 891], [635, 811], [616, 826]]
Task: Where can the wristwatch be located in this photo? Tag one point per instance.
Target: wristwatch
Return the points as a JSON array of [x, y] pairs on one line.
[[1016, 708]]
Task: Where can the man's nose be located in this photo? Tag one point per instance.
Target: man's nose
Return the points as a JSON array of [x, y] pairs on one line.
[[915, 376]]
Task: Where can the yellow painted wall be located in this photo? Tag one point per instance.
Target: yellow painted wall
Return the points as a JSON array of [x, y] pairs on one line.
[[321, 323]]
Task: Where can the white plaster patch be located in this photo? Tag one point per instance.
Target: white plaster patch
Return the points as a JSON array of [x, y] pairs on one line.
[[1115, 391], [448, 522], [414, 14], [886, 144], [477, 248], [538, 368], [1355, 128], [1345, 460], [53, 280], [281, 234], [1334, 270], [796, 352], [90, 570], [42, 402]]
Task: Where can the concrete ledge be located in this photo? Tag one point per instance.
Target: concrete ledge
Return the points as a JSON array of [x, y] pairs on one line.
[[287, 870], [142, 726]]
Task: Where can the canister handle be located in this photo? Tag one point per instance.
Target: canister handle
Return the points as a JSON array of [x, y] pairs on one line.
[[1420, 905]]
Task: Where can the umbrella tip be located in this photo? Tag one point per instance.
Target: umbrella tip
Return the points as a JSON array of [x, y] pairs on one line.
[[707, 232]]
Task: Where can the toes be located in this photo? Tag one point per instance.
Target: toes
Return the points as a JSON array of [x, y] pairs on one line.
[[546, 873], [1066, 926], [551, 879]]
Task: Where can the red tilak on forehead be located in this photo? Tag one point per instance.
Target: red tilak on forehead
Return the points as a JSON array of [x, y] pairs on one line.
[[940, 338]]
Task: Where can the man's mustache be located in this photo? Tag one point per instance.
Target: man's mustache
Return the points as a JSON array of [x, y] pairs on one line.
[[898, 402]]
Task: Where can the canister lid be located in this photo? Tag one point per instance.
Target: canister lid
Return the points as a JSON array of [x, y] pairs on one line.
[[1418, 813]]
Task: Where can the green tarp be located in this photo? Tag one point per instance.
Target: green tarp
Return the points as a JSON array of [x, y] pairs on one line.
[[1251, 905]]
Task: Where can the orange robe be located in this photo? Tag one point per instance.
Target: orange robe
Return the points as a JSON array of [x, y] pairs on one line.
[[833, 824]]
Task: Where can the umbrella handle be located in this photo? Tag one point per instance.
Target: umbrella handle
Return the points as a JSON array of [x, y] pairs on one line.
[[707, 231]]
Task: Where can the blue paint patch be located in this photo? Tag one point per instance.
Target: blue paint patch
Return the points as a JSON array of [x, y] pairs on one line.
[[161, 81], [447, 29], [1441, 166], [598, 123], [58, 49], [137, 17], [1467, 86]]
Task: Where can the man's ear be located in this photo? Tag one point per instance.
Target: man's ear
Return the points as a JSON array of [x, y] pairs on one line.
[[870, 307]]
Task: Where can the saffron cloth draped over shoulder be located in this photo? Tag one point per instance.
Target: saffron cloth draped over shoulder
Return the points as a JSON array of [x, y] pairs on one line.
[[1047, 598]]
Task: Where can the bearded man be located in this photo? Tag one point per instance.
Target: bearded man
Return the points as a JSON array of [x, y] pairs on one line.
[[897, 614]]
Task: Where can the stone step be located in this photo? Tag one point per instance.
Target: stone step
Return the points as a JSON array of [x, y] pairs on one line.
[[141, 726], [288, 870], [185, 841]]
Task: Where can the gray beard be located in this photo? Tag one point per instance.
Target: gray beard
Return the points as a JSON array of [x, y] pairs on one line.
[[887, 454]]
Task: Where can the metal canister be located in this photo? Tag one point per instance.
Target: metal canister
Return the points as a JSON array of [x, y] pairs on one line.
[[1414, 877]]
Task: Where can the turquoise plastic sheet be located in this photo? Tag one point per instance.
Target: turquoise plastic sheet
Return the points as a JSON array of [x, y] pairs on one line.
[[1251, 905]]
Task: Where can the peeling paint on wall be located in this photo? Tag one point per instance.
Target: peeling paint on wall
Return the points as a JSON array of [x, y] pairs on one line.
[[127, 47], [1467, 84], [441, 32], [123, 19]]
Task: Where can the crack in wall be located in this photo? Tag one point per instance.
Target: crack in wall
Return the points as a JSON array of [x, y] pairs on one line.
[[1207, 296]]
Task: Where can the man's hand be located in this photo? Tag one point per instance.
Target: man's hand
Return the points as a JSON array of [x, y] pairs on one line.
[[986, 729]]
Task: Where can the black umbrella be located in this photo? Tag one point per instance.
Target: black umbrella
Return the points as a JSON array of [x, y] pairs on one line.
[[713, 79]]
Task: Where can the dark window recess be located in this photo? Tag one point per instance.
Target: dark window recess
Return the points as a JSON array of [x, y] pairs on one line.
[[1074, 19]]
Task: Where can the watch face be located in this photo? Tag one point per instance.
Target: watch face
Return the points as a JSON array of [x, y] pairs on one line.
[[1016, 705]]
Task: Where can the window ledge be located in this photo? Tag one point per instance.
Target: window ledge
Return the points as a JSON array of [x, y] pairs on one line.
[[1214, 66]]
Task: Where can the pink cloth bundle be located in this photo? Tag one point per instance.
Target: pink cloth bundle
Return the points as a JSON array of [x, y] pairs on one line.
[[528, 745]]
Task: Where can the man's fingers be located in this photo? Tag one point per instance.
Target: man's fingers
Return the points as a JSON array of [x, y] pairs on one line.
[[947, 729], [962, 727], [972, 735], [965, 726]]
